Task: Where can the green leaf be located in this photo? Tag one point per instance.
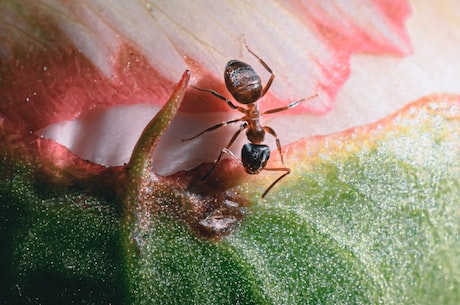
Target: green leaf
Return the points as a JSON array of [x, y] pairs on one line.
[[367, 216], [58, 247]]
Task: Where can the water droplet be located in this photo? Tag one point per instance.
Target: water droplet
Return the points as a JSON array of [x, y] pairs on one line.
[[27, 99], [45, 68]]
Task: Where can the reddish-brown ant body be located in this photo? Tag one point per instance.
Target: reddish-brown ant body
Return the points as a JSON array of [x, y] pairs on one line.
[[245, 85]]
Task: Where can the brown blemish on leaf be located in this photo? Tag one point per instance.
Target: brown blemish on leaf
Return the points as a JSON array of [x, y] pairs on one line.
[[214, 208], [211, 207]]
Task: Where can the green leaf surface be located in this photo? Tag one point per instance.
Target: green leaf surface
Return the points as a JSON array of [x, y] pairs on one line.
[[368, 216], [57, 247]]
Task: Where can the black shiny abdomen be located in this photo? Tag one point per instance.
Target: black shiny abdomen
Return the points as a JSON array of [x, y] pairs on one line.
[[254, 157], [242, 82]]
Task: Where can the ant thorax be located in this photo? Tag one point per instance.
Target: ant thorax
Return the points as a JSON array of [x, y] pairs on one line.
[[255, 132]]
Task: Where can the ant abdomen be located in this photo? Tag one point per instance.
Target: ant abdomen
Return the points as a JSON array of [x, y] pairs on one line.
[[242, 82]]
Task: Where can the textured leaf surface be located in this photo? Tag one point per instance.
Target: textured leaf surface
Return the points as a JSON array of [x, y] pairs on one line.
[[58, 247], [370, 215]]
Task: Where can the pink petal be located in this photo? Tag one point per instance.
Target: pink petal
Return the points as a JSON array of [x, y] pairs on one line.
[[60, 59], [63, 58]]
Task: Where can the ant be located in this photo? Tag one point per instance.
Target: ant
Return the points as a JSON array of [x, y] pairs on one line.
[[245, 85]]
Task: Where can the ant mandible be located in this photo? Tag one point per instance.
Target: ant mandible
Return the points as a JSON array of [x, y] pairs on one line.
[[245, 85]]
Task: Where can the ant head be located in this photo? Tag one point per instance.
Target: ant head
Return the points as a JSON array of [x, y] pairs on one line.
[[242, 82], [254, 157]]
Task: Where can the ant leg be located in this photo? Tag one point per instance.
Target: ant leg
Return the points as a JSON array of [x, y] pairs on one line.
[[291, 105], [220, 96], [213, 128], [287, 172], [262, 62], [226, 150], [278, 144]]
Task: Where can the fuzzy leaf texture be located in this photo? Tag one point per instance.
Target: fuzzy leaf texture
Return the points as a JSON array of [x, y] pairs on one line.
[[369, 215]]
